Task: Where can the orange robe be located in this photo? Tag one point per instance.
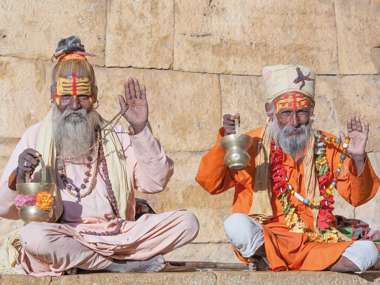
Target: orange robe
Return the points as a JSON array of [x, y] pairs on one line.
[[286, 250]]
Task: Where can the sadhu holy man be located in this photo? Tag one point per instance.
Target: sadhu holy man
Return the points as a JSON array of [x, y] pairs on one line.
[[97, 167], [284, 199]]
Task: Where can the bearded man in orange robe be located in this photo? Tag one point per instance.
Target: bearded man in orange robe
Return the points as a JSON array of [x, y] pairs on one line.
[[284, 199]]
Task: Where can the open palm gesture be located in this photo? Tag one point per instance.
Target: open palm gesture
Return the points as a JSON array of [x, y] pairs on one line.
[[358, 134], [133, 105]]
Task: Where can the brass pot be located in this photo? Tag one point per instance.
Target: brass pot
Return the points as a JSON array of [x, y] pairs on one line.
[[236, 146], [33, 213]]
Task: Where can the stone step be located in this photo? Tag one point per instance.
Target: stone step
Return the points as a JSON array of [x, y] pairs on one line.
[[208, 252], [200, 278]]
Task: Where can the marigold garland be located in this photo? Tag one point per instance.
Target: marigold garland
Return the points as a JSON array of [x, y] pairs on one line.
[[282, 189], [44, 201]]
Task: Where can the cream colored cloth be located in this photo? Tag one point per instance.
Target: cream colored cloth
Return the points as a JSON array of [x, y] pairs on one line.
[[279, 79]]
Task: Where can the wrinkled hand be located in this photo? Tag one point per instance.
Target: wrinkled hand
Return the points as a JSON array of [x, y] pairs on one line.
[[28, 160], [229, 123], [133, 105], [358, 133]]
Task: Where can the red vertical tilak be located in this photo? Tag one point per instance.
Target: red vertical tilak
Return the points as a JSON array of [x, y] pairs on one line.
[[74, 83]]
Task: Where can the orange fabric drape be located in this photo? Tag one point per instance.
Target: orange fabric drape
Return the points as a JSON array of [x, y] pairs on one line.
[[287, 250]]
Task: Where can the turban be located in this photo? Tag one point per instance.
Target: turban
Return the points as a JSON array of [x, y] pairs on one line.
[[279, 79]]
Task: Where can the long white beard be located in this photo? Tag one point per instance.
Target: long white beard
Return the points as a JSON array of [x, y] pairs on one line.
[[74, 131], [292, 140]]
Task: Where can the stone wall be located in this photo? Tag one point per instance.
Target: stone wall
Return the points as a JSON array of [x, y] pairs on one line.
[[198, 59]]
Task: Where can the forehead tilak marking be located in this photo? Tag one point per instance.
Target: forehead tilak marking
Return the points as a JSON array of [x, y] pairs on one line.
[[74, 83]]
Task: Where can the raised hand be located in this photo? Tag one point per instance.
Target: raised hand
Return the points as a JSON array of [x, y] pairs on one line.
[[133, 105], [229, 123], [358, 133]]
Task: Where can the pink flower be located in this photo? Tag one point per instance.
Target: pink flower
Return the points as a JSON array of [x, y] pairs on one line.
[[25, 200]]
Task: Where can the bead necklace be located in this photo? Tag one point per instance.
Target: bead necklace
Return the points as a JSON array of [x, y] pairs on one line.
[[100, 162], [327, 183], [68, 184], [111, 195]]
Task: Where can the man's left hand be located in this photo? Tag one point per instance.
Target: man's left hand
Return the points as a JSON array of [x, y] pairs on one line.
[[134, 105], [358, 134]]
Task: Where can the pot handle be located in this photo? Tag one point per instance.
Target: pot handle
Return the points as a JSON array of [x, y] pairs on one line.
[[43, 171]]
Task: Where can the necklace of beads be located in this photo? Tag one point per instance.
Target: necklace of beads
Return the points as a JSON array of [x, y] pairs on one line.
[[111, 196], [327, 183], [89, 178], [99, 163]]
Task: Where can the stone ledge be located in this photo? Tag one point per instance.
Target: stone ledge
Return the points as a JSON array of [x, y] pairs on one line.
[[201, 278]]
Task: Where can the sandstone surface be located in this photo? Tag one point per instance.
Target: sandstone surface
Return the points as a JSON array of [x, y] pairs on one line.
[[32, 29], [184, 107], [357, 33], [240, 37], [140, 33]]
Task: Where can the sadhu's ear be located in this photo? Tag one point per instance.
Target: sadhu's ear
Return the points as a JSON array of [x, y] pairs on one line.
[[53, 91], [94, 94], [269, 109], [95, 91]]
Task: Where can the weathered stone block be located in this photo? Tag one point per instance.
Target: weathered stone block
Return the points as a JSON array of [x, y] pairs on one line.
[[240, 37], [358, 31], [25, 95], [7, 146], [22, 279], [178, 278], [184, 108], [349, 96], [183, 192], [369, 211], [244, 95], [32, 29], [140, 33], [209, 252], [292, 278]]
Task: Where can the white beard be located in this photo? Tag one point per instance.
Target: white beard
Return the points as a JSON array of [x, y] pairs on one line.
[[74, 131], [291, 139]]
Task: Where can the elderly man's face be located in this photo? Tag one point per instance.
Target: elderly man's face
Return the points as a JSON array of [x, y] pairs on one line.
[[294, 115], [291, 125], [75, 102]]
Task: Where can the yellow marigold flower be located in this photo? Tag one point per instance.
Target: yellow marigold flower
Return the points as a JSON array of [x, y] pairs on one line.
[[44, 201]]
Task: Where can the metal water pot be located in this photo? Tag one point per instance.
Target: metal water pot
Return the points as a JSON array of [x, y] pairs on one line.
[[236, 146], [30, 213]]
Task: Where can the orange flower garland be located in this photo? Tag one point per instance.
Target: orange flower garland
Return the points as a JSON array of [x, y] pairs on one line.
[[44, 201], [282, 189]]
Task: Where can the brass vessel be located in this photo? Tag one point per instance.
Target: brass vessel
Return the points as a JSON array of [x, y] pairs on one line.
[[236, 146], [33, 213]]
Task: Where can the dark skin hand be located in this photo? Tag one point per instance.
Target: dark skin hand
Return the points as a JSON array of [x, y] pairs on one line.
[[28, 160], [229, 123]]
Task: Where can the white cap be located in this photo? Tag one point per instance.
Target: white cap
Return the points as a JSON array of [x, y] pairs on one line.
[[279, 79]]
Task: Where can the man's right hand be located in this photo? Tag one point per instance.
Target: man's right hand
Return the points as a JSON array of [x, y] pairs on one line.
[[28, 160], [229, 123]]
